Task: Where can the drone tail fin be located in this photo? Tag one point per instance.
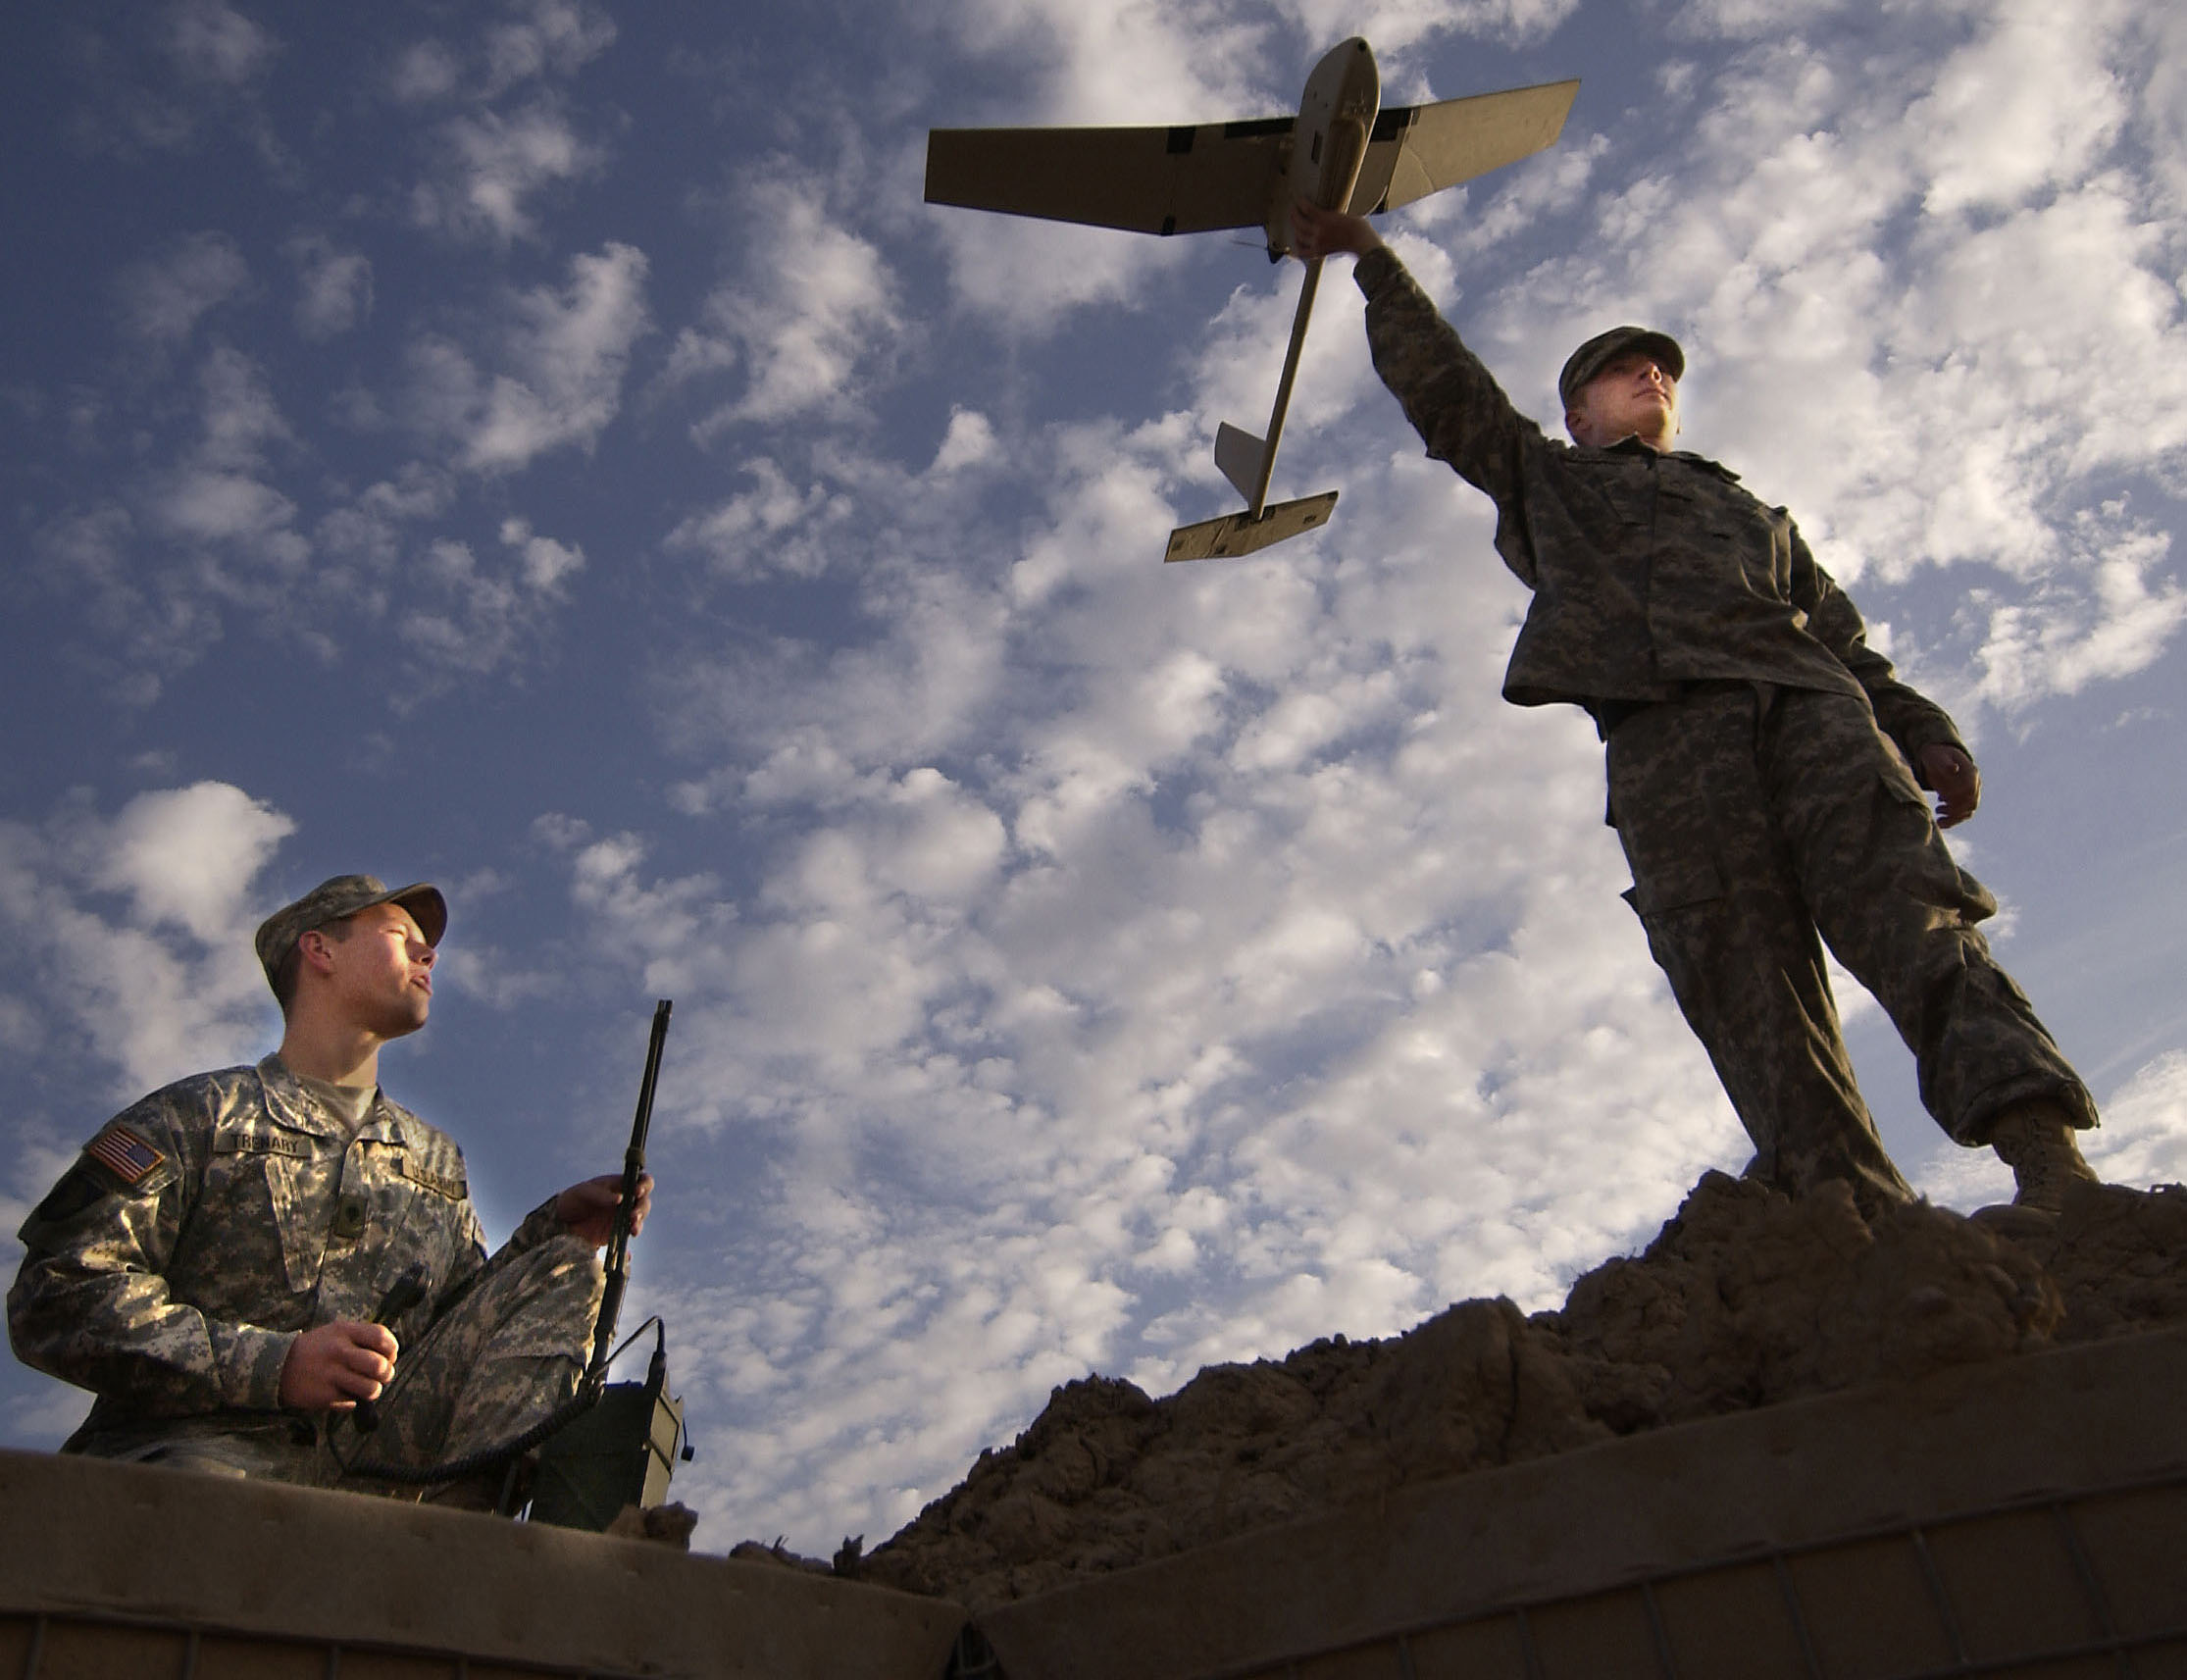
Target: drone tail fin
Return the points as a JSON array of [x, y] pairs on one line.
[[1239, 454]]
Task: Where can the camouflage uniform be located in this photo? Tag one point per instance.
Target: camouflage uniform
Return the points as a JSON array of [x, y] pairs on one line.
[[1758, 758], [174, 1264]]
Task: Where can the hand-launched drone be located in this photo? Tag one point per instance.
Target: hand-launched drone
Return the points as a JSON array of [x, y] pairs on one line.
[[1342, 151]]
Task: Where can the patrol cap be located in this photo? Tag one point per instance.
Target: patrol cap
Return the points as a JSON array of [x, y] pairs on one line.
[[1593, 356], [344, 895]]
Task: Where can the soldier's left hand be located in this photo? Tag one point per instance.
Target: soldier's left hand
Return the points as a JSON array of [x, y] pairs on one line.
[[589, 1208], [1958, 783]]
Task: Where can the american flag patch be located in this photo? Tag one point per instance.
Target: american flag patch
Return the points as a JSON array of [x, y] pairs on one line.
[[124, 1154]]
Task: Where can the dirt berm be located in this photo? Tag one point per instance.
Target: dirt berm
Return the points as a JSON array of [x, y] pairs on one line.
[[1746, 1299]]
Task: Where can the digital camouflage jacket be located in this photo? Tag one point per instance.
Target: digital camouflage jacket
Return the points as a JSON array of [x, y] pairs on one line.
[[1648, 571], [206, 1226]]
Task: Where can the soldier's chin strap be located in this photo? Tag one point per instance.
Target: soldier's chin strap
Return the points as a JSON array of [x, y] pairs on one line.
[[593, 1382]]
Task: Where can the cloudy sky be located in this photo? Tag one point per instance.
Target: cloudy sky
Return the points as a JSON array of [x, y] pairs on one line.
[[548, 448]]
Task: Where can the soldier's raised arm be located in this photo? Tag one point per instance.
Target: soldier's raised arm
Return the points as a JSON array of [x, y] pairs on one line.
[[1449, 394]]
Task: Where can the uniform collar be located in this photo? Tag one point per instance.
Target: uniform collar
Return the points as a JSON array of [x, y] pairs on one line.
[[1632, 445], [1705, 464], [294, 1108]]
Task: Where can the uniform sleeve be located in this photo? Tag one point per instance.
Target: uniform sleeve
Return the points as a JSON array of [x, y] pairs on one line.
[[541, 1225], [92, 1306], [1451, 399], [466, 1263], [1909, 718]]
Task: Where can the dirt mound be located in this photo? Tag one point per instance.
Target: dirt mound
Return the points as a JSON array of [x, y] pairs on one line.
[[1746, 1299]]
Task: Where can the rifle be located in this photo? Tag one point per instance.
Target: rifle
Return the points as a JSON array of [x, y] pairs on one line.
[[618, 1257], [622, 1447], [645, 1422]]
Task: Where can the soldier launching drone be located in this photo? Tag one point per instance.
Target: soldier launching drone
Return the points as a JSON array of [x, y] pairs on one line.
[[1765, 766]]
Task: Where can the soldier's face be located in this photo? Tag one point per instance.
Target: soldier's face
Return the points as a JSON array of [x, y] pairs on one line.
[[380, 970], [1633, 396]]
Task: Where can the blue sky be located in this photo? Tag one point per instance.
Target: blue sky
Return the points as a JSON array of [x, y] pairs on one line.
[[549, 449]]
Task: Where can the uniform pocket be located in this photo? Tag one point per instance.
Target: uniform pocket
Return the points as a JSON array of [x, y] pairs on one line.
[[1675, 884], [434, 1176], [1898, 775], [260, 1172]]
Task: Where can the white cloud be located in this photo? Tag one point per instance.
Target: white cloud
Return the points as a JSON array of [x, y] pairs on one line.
[[158, 77], [1024, 276], [333, 286], [969, 441], [773, 527], [557, 37], [1470, 220], [1996, 125], [544, 561], [163, 298], [174, 546], [562, 355], [2158, 42], [214, 43], [1742, 20], [89, 553], [468, 616], [1137, 63], [424, 71], [240, 418], [1394, 24], [188, 856], [490, 166], [813, 305], [1099, 65], [168, 984], [366, 533], [534, 39], [2115, 622], [213, 533], [217, 495], [2143, 1141]]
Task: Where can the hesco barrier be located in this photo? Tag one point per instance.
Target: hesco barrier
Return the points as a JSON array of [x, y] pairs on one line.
[[122, 1572], [2024, 1517]]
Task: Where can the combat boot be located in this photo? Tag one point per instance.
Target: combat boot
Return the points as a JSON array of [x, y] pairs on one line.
[[2036, 1140]]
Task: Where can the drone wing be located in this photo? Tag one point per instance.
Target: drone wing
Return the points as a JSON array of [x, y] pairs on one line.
[[1419, 149], [1191, 179], [1198, 178]]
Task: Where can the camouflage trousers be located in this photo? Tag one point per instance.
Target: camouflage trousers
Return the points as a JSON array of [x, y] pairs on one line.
[[498, 1362], [1762, 824]]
